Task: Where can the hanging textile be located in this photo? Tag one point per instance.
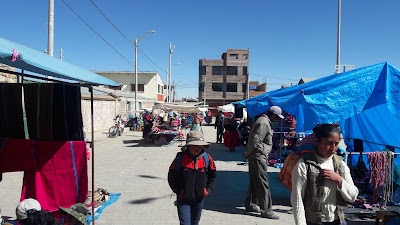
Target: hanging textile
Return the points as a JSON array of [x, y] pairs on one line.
[[17, 155], [53, 112], [11, 117], [60, 178], [381, 166], [38, 106]]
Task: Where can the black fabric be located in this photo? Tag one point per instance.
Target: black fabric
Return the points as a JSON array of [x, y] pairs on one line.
[[238, 112], [358, 145], [11, 115], [360, 171], [54, 112], [73, 112]]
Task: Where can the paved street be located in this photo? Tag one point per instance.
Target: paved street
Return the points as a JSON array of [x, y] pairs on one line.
[[138, 171]]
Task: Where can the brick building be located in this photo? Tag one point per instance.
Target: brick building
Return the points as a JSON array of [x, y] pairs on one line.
[[225, 80]]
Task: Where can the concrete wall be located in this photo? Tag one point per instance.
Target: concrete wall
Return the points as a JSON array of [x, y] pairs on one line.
[[104, 113]]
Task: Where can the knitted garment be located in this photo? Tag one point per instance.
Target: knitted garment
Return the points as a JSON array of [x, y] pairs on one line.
[[381, 164]]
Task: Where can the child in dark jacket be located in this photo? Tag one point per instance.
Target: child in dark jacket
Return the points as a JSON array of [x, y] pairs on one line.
[[191, 176]]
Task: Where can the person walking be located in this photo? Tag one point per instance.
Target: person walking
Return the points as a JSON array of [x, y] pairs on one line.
[[259, 146], [219, 125], [321, 182], [191, 176]]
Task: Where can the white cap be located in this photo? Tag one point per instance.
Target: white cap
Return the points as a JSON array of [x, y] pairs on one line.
[[27, 206], [277, 111]]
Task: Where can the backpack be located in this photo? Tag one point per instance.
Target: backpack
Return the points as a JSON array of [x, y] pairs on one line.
[[179, 156]]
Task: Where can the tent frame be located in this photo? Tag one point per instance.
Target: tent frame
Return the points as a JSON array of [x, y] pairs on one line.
[[90, 86]]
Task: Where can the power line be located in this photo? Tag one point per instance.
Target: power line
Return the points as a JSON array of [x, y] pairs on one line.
[[144, 54], [98, 9], [97, 33]]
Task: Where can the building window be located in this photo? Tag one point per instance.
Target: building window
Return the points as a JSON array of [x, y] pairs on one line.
[[140, 87], [160, 89], [246, 56], [217, 87], [244, 70], [244, 87], [217, 70], [201, 87], [231, 70], [234, 56], [202, 70], [231, 87]]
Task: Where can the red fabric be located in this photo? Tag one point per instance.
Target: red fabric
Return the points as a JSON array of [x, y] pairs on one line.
[[60, 179], [231, 139], [16, 155]]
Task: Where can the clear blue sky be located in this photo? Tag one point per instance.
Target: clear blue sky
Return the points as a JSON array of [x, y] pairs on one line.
[[287, 39]]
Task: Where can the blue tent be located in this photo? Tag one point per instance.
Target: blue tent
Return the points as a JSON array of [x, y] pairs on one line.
[[365, 101], [28, 59]]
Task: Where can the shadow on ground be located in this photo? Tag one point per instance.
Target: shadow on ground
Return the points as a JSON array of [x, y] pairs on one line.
[[147, 200], [230, 190]]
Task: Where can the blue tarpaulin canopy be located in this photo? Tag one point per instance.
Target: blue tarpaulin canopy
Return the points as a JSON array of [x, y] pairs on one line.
[[42, 64], [365, 101]]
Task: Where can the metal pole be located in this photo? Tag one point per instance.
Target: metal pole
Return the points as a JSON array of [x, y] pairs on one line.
[[166, 92], [136, 78], [92, 145], [169, 72], [338, 38], [204, 89], [50, 43]]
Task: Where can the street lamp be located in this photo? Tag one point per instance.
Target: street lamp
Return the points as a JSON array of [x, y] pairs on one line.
[[136, 78]]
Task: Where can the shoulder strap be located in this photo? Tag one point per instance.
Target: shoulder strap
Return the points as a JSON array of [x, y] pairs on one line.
[[206, 160], [178, 161]]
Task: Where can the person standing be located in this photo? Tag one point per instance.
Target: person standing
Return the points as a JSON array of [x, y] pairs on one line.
[[231, 135], [259, 146], [321, 182], [191, 176], [219, 125]]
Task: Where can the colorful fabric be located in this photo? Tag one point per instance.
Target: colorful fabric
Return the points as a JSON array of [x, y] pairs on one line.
[[60, 178], [285, 175]]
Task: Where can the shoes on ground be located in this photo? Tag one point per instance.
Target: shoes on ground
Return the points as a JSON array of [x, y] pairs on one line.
[[253, 209], [270, 215]]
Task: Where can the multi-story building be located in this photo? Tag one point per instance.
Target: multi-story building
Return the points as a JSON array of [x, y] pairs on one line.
[[224, 80], [150, 85]]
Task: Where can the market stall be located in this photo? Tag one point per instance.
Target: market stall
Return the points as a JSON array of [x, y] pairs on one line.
[[365, 104], [50, 131]]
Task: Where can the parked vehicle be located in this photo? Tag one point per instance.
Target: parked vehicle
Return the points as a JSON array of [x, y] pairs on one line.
[[118, 128]]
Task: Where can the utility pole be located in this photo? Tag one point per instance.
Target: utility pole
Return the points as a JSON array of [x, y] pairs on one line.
[[204, 90], [61, 54], [50, 43], [166, 92], [174, 91], [171, 49], [338, 38]]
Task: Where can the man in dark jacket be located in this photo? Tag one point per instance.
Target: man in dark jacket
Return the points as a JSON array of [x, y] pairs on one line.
[[191, 176], [219, 125]]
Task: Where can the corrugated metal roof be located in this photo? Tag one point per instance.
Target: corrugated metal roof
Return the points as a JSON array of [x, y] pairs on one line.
[[44, 65]]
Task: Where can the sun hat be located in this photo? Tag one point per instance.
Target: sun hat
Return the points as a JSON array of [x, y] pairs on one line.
[[277, 111], [78, 211], [27, 207], [196, 137]]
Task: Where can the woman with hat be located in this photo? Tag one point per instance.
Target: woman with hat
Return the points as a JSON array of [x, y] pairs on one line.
[[191, 176], [76, 214]]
